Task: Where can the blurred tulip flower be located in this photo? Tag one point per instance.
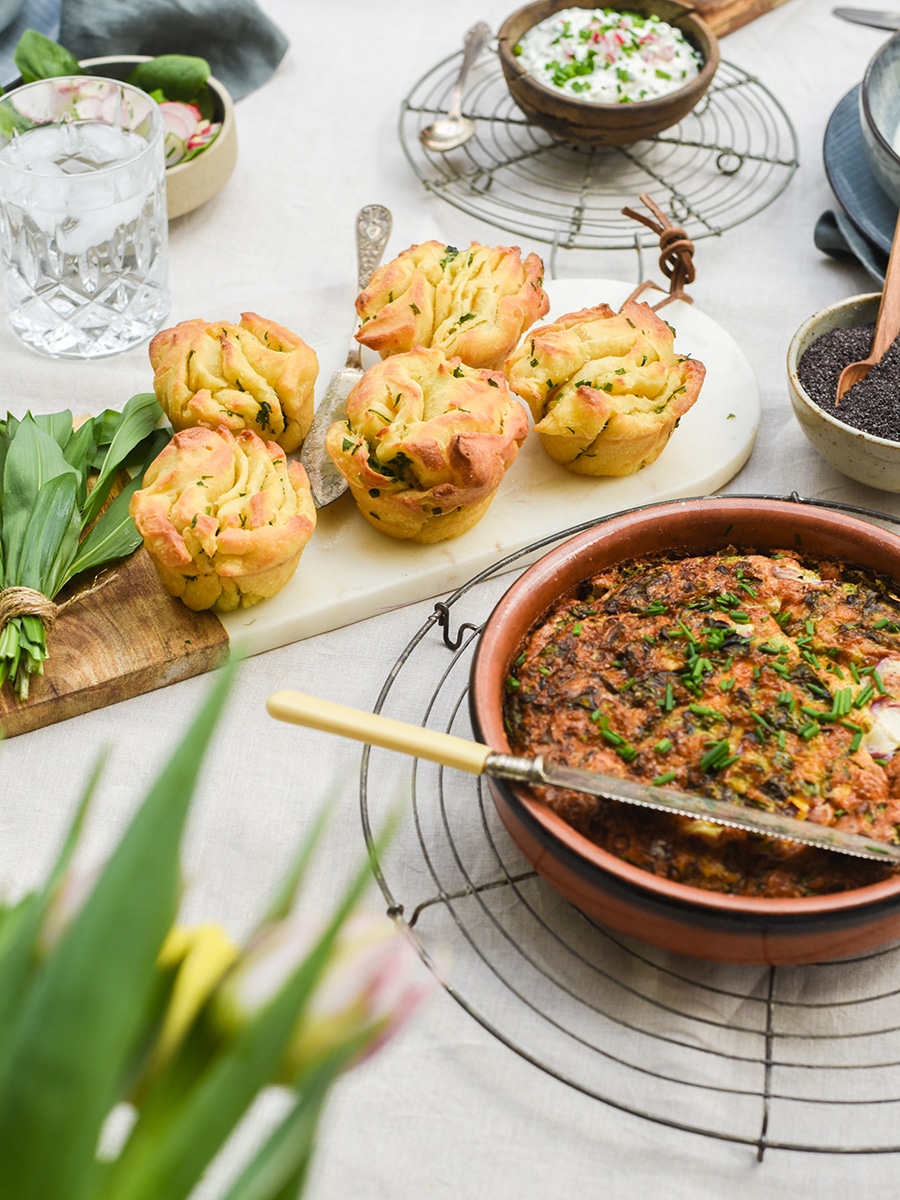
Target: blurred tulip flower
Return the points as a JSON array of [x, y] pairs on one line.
[[108, 1005], [372, 983]]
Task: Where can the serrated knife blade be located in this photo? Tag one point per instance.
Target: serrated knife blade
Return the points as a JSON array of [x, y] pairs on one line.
[[373, 228], [686, 804], [478, 759], [877, 18]]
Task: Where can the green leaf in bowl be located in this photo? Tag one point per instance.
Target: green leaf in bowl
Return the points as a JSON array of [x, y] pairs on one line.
[[38, 57], [177, 76]]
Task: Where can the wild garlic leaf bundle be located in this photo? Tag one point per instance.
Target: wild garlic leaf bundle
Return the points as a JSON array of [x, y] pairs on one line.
[[54, 480]]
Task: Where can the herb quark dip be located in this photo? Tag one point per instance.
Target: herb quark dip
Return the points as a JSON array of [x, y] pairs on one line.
[[607, 56]]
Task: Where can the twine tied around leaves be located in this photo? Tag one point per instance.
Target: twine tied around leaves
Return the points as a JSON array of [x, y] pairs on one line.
[[676, 252], [27, 602]]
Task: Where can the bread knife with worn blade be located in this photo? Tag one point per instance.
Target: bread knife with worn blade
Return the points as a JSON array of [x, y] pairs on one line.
[[877, 18], [479, 759], [373, 228]]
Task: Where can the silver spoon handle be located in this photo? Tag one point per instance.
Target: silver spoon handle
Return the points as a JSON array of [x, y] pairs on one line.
[[476, 40]]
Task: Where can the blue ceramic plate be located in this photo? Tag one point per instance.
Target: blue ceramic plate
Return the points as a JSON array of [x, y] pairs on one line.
[[872, 212]]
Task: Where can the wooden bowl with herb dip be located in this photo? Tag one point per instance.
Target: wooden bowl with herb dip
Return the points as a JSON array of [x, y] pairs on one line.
[[567, 113]]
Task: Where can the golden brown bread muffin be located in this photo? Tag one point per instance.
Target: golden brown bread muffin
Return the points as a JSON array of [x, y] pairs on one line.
[[225, 518], [256, 375], [606, 389], [475, 303], [426, 443]]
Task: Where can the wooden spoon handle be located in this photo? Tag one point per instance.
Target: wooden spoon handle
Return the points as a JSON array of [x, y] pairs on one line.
[[376, 730], [887, 324]]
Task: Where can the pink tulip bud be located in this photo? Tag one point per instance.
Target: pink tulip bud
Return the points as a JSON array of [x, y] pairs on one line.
[[65, 905], [372, 983]]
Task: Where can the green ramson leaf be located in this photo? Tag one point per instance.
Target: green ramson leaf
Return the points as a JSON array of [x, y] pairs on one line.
[[138, 419], [53, 529], [59, 426], [144, 452], [77, 1038], [32, 459], [38, 57], [105, 429], [79, 453], [178, 76], [114, 536]]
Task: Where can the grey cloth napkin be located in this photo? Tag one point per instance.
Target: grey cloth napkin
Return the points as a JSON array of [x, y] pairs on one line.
[[241, 44], [835, 234]]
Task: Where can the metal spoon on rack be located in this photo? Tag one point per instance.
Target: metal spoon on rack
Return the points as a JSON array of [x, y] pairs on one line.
[[887, 323], [447, 132]]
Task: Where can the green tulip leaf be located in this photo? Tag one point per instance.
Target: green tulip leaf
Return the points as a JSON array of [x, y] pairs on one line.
[[85, 1020]]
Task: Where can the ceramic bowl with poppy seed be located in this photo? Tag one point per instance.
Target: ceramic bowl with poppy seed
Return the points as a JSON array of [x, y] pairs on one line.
[[573, 118], [859, 453], [649, 905]]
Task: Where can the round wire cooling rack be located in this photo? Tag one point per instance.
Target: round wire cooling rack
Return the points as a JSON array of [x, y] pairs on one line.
[[725, 162], [789, 1058]]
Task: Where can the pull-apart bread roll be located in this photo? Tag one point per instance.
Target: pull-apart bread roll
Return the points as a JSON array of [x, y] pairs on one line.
[[606, 389], [255, 375], [426, 443], [474, 303], [225, 518]]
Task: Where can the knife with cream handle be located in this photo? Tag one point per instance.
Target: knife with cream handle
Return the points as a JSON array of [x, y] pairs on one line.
[[477, 759]]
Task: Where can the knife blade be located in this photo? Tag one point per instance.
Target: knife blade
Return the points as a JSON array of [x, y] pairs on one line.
[[688, 804], [373, 228], [877, 18], [478, 759]]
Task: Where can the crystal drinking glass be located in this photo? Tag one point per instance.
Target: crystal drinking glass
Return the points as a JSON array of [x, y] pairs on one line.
[[83, 227]]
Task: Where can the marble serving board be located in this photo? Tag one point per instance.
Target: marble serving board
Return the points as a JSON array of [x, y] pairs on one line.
[[350, 570], [130, 637]]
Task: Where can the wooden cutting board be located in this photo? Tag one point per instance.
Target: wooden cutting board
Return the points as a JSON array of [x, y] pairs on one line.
[[126, 637], [129, 636], [724, 16]]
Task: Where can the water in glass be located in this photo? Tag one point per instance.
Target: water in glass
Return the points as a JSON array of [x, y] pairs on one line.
[[83, 227]]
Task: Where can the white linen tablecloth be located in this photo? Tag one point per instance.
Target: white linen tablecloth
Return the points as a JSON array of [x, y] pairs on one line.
[[446, 1110]]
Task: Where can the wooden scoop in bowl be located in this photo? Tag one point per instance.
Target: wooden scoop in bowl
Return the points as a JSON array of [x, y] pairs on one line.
[[887, 324]]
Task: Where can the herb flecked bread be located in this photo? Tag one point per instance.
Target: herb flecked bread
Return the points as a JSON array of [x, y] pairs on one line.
[[426, 444], [474, 303], [224, 517], [606, 389], [256, 375]]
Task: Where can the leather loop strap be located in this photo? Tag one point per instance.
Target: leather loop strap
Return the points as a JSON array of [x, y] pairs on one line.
[[676, 252]]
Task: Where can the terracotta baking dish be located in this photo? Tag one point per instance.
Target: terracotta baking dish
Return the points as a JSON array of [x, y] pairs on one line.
[[664, 913]]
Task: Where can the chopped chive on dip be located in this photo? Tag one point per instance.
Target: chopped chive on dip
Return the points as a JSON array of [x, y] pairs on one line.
[[608, 57]]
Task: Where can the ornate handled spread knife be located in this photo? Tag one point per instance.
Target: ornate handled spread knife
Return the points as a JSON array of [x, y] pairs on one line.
[[373, 228], [478, 759], [870, 16]]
